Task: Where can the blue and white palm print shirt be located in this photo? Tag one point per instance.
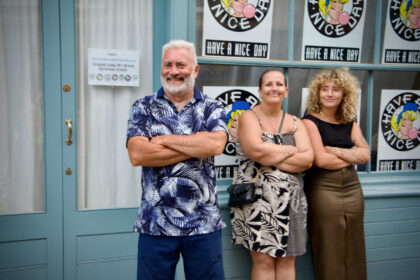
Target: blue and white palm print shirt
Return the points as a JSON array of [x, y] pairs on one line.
[[179, 199]]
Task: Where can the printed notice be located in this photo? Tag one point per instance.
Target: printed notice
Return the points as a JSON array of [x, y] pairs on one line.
[[108, 67]]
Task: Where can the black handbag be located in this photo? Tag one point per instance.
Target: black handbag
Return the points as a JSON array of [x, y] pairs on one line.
[[241, 194]]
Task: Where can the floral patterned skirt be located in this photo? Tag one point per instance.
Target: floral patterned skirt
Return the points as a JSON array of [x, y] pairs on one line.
[[275, 223]]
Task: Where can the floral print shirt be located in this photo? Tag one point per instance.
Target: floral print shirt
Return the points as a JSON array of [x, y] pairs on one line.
[[179, 199]]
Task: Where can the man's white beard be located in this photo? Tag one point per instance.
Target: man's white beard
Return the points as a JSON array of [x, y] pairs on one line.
[[188, 84]]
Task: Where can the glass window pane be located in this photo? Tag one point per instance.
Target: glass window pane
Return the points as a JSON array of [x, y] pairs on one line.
[[368, 43], [279, 32], [242, 76], [392, 80], [21, 108], [229, 75], [106, 178], [368, 32]]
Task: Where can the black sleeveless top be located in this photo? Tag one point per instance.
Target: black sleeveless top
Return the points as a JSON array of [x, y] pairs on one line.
[[334, 135]]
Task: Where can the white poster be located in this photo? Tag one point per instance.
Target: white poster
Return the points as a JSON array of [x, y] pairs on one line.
[[303, 101], [333, 30], [235, 100], [108, 67], [402, 33], [398, 135], [237, 28]]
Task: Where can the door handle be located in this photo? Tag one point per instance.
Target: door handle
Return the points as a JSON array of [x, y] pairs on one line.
[[68, 123]]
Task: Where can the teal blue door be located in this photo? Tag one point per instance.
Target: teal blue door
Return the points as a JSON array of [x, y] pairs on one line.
[[68, 202], [101, 189], [87, 194], [31, 231]]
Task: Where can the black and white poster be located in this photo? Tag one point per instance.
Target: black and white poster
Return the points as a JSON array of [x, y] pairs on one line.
[[240, 28], [402, 33], [235, 100], [333, 30], [398, 135]]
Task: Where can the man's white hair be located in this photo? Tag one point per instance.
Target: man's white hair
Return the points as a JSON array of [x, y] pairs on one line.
[[176, 44]]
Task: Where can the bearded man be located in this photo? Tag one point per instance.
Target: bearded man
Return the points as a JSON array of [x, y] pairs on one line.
[[174, 135]]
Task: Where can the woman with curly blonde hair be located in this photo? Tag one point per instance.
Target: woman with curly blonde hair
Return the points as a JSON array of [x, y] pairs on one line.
[[335, 198], [347, 110]]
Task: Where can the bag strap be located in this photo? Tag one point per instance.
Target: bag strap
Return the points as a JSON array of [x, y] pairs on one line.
[[281, 123], [258, 117]]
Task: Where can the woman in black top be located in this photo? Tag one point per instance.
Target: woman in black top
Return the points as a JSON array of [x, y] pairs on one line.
[[335, 198]]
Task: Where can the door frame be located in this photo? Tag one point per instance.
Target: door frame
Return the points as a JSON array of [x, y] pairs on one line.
[[62, 224], [79, 225]]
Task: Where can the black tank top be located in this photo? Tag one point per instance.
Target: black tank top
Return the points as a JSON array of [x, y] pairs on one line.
[[334, 135]]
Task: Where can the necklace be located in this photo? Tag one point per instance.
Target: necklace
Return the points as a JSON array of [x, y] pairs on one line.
[[273, 122], [333, 120], [272, 118]]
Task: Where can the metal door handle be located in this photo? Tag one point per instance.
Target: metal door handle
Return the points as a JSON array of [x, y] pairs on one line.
[[68, 123]]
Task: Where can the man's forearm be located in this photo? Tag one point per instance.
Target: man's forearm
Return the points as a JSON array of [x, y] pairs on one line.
[[199, 145], [142, 152]]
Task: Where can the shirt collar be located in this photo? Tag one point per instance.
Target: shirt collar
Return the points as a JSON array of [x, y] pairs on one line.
[[197, 93]]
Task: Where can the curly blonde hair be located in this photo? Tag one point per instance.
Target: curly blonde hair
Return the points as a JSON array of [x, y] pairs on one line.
[[347, 111]]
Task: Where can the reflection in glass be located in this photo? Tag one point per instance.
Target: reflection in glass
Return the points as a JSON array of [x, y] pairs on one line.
[[106, 178]]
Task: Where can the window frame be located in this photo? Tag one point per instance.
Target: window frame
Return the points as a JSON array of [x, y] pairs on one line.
[[181, 25]]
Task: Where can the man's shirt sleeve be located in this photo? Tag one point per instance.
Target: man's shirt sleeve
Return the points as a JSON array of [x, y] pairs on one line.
[[137, 121], [217, 119]]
